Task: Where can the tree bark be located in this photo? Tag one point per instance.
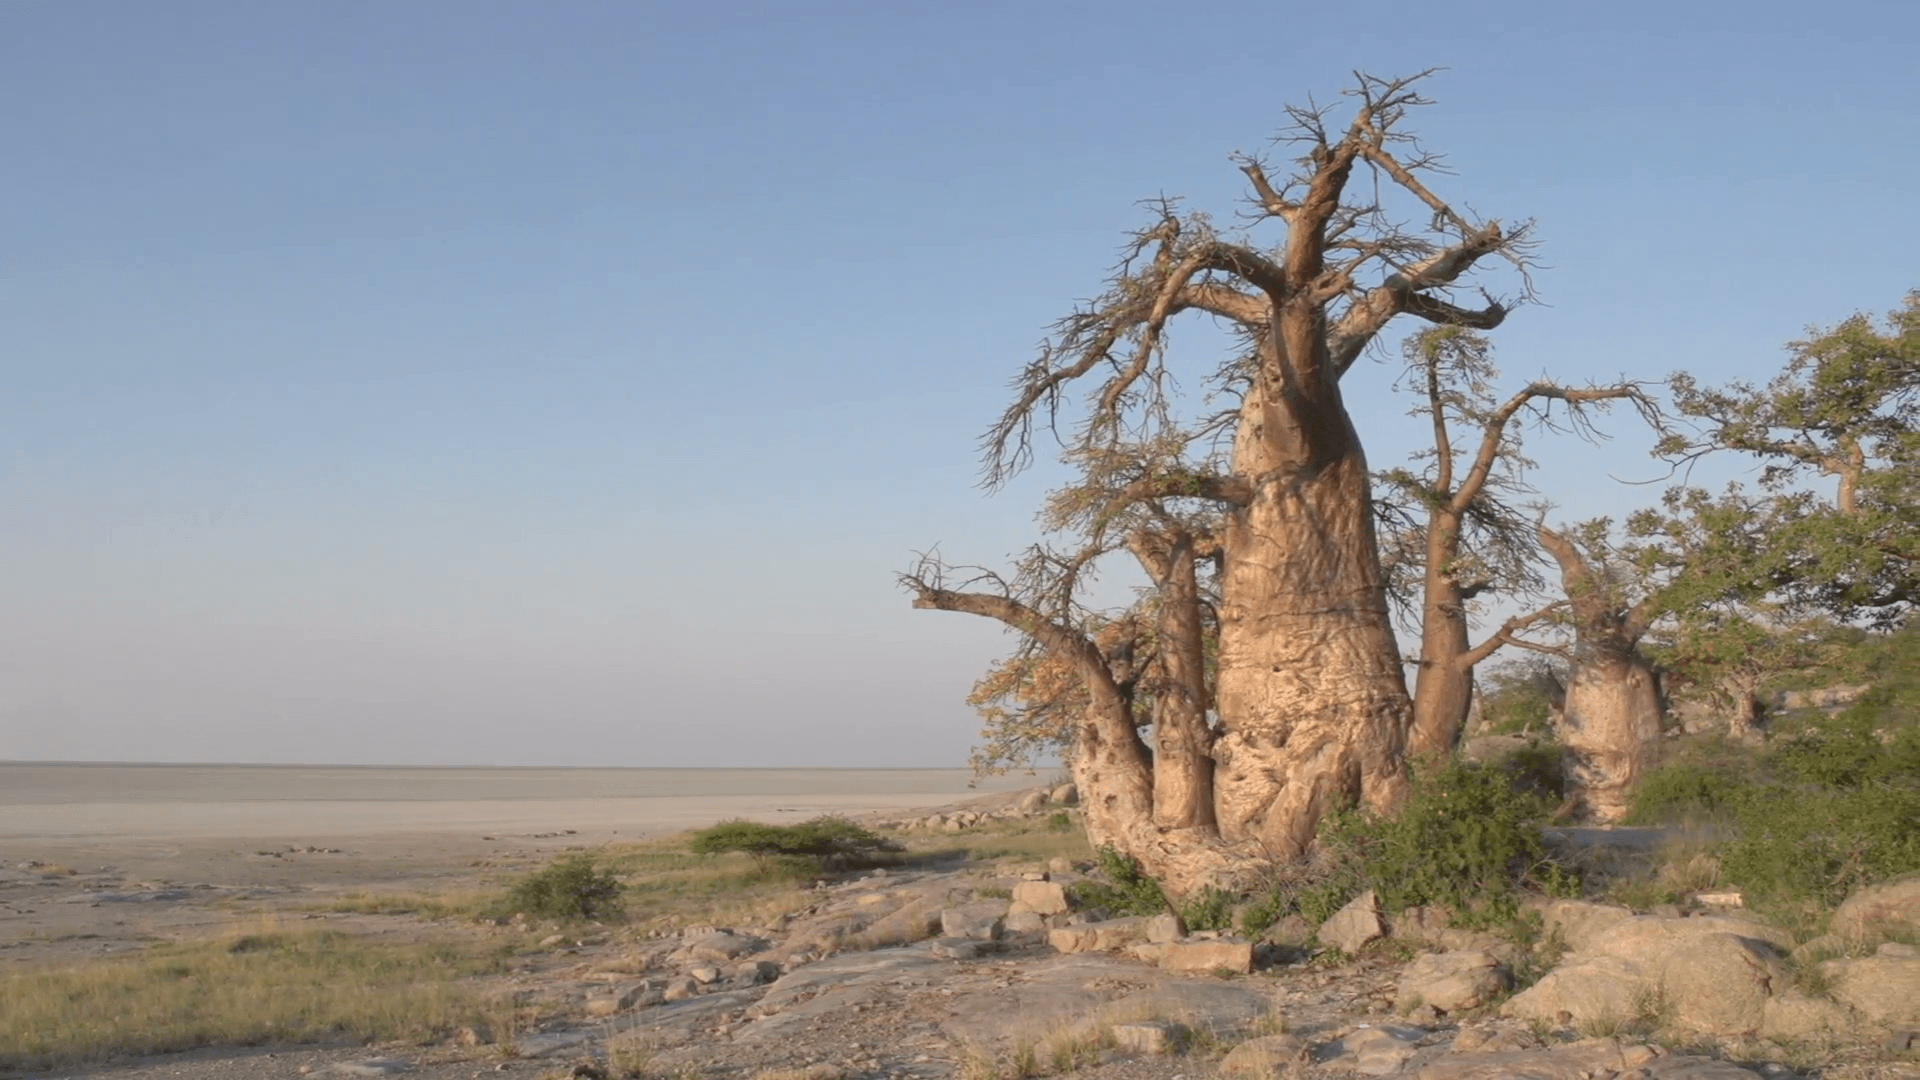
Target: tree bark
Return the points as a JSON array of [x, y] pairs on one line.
[[1612, 717], [1183, 742], [1312, 700], [1443, 684]]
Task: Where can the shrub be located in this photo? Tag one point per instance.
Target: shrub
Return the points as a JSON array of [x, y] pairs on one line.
[[569, 888], [824, 840], [1128, 890], [1467, 838], [1832, 806]]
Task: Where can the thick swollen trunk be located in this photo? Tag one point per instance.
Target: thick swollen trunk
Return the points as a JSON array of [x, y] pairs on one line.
[[1311, 697], [1611, 720], [1609, 727], [1183, 743], [1443, 684]]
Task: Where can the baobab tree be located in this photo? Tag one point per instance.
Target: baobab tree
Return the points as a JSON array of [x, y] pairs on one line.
[[1309, 702], [1467, 532]]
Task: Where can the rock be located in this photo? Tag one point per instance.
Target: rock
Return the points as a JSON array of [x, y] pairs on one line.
[[1032, 802], [704, 974], [1713, 979], [1354, 925], [1374, 1051], [1889, 909], [720, 946], [551, 940], [1059, 864], [1579, 922], [680, 989], [1265, 1057], [1794, 1016], [1829, 697], [1885, 989], [1451, 982], [1897, 949], [752, 973], [1024, 922], [1579, 1061], [625, 997], [1154, 1037], [1504, 1039], [1292, 929], [371, 1067], [1163, 928], [1095, 936], [477, 1035], [982, 921], [1064, 795], [962, 948], [1423, 923], [1042, 897], [1235, 956]]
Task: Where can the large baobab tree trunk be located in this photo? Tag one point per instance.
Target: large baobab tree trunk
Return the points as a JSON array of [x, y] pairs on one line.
[[1611, 722], [1311, 701]]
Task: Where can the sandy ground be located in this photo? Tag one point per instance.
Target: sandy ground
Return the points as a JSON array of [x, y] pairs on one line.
[[99, 859]]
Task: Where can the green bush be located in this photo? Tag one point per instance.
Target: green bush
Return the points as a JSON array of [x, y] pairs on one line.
[[569, 888], [1468, 838], [827, 840], [1833, 805], [1128, 890]]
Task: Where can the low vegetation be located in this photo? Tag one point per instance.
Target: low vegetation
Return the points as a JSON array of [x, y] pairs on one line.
[[252, 987], [820, 843], [573, 887], [1831, 804]]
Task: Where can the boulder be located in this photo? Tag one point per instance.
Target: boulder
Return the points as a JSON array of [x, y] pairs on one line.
[[1032, 802], [1096, 936], [1885, 989], [1041, 898], [1793, 1016], [962, 948], [1451, 982], [1423, 923], [1888, 909], [1024, 922], [982, 921], [1579, 922], [680, 989], [1163, 928], [1235, 956], [1265, 1057], [1153, 1037], [1354, 925], [1292, 929], [1374, 1051], [720, 946], [1700, 973], [1064, 795]]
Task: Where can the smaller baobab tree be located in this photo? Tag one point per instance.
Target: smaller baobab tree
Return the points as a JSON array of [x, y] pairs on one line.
[[1468, 534], [1611, 720]]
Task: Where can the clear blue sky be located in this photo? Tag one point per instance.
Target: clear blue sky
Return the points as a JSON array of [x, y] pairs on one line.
[[563, 382]]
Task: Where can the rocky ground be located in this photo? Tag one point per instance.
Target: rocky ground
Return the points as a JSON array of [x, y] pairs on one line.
[[985, 972]]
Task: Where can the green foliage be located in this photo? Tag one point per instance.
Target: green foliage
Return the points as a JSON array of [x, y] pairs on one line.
[[1059, 821], [1467, 838], [1517, 697], [568, 888], [1128, 890], [825, 840], [1830, 807], [1212, 909]]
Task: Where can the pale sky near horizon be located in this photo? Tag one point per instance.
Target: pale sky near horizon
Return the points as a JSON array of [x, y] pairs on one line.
[[478, 382]]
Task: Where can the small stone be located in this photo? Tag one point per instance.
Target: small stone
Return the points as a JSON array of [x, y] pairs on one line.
[[1163, 927], [680, 989], [704, 975], [551, 940], [1265, 1057], [1042, 897], [954, 948], [1354, 925], [371, 1067], [1234, 956], [1154, 1037]]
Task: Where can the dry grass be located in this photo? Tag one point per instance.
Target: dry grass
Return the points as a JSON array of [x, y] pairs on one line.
[[454, 904], [250, 987]]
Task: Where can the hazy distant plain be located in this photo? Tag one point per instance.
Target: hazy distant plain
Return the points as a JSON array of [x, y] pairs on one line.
[[50, 801]]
